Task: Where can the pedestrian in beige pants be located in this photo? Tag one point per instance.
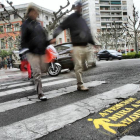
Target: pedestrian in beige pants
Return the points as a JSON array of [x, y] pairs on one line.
[[38, 66], [80, 56], [34, 38], [80, 37]]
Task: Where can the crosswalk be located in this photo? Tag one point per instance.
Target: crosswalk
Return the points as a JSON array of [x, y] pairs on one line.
[[41, 124]]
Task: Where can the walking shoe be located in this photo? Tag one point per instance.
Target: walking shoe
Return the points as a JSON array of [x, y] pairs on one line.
[[82, 88], [42, 97]]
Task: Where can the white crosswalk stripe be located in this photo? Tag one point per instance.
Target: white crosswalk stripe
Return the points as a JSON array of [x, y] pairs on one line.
[[23, 89], [130, 138], [50, 94], [27, 83], [44, 123]]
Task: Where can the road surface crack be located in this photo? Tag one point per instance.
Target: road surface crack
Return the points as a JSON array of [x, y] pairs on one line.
[[33, 130]]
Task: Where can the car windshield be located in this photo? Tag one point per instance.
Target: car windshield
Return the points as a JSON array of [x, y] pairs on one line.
[[63, 47], [112, 51]]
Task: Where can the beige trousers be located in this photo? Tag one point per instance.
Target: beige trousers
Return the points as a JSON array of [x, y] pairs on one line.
[[80, 56], [38, 66]]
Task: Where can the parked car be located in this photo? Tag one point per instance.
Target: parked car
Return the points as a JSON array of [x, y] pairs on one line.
[[65, 56], [109, 55]]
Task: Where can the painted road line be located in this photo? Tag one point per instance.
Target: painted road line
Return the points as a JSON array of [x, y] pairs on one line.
[[130, 138], [28, 83], [24, 89], [42, 124], [50, 94]]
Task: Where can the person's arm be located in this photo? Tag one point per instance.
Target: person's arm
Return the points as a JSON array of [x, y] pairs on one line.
[[64, 25], [24, 36], [90, 38]]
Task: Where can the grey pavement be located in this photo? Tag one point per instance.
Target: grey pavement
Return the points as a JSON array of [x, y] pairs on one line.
[[65, 115]]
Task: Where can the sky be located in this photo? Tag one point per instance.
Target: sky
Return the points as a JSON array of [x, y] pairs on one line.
[[49, 4], [55, 4]]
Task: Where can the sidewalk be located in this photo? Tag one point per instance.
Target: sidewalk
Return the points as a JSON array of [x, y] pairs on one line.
[[11, 74]]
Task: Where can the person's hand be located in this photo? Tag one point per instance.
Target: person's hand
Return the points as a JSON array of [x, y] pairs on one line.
[[53, 41]]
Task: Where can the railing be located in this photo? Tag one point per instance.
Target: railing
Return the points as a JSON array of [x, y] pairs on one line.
[[106, 20]]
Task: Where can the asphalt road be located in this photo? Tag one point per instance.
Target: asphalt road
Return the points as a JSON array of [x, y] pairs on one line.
[[115, 73]]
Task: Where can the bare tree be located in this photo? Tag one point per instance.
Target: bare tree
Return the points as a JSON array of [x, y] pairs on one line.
[[111, 34], [133, 27], [49, 29], [104, 37]]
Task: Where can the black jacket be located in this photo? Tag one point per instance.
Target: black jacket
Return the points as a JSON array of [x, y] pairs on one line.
[[33, 37], [80, 32]]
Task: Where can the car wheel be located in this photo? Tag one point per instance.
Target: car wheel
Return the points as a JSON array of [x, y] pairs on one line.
[[120, 59], [110, 58]]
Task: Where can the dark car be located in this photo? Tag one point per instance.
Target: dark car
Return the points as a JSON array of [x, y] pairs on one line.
[[109, 55], [65, 56]]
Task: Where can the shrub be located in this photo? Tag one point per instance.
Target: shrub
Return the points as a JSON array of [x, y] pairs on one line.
[[131, 55]]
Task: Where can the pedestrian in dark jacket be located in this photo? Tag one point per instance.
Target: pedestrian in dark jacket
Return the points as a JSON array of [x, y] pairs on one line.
[[0, 63], [34, 38], [5, 63], [8, 62], [80, 36]]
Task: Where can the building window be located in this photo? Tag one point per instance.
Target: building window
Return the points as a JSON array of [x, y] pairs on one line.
[[97, 18], [85, 11], [124, 8], [1, 29], [10, 43], [3, 44], [8, 29], [15, 16], [7, 17], [124, 3], [17, 27], [98, 30], [124, 13], [85, 6], [46, 17], [68, 40]]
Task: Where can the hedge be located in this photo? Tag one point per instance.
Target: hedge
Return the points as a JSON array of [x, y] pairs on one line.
[[131, 55]]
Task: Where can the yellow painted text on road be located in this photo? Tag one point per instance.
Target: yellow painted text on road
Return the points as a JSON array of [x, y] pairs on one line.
[[117, 106], [131, 114]]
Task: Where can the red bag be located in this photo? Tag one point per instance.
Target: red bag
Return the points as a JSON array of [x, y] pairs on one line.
[[51, 54]]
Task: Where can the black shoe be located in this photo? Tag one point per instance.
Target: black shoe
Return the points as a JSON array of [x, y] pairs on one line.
[[42, 97]]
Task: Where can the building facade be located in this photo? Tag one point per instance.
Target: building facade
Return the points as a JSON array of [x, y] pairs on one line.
[[99, 13], [8, 32]]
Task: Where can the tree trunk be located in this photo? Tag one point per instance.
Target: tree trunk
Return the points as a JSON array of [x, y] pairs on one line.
[[136, 44]]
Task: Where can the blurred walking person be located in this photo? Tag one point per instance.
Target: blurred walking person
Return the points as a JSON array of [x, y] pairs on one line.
[[5, 63], [0, 63], [34, 38], [8, 62], [80, 36]]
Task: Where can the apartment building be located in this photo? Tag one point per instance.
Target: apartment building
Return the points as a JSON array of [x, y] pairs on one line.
[[99, 13], [12, 31]]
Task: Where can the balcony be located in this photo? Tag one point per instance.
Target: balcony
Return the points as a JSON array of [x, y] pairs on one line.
[[106, 19], [104, 3]]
